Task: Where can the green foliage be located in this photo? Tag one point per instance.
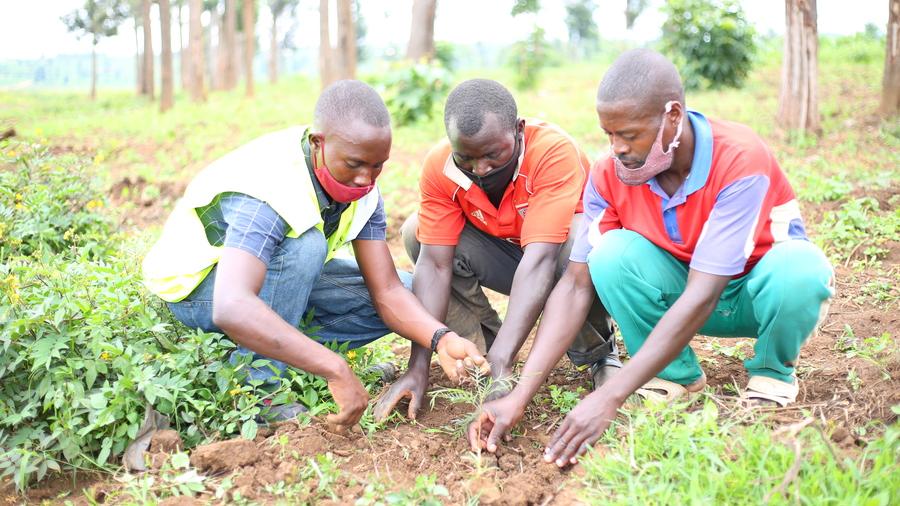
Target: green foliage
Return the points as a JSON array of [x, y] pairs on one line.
[[528, 59], [84, 348], [445, 54], [98, 18], [49, 205], [862, 48], [878, 350], [525, 7], [415, 91], [475, 394], [710, 41], [580, 21], [664, 455], [859, 229], [564, 400], [425, 492]]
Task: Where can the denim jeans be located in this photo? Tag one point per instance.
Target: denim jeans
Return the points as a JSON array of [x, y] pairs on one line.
[[297, 281]]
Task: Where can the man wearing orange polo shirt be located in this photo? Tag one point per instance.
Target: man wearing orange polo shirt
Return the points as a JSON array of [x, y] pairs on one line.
[[501, 198]]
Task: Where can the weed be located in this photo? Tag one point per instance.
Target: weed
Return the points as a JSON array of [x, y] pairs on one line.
[[564, 400], [876, 350], [425, 492]]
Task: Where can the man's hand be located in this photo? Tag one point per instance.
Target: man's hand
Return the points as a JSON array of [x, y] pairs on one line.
[[350, 396], [494, 422], [456, 355], [412, 384], [581, 428]]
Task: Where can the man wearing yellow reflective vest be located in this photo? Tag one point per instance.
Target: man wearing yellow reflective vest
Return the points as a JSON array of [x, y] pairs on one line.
[[250, 249]]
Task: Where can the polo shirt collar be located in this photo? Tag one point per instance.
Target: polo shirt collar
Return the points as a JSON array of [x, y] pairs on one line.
[[456, 175], [703, 149]]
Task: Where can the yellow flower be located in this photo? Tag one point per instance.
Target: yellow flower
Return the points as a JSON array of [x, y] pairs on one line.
[[21, 207], [18, 197], [68, 234], [351, 354], [94, 204], [105, 356], [11, 287], [11, 153], [38, 131], [234, 391]]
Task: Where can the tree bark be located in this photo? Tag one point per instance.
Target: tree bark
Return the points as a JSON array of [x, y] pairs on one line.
[[421, 33], [182, 57], [798, 107], [890, 86], [249, 43], [229, 77], [148, 74], [166, 98], [346, 40], [198, 62], [273, 51], [94, 70], [138, 59], [326, 53]]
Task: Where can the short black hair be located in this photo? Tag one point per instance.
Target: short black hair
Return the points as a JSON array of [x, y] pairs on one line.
[[347, 100], [471, 100], [642, 75]]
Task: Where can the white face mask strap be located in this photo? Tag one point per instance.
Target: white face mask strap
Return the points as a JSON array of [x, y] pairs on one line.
[[675, 141]]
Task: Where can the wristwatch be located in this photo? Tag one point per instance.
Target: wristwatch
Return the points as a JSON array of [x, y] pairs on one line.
[[438, 334]]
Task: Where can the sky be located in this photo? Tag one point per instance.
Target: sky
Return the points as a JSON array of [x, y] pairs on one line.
[[32, 29]]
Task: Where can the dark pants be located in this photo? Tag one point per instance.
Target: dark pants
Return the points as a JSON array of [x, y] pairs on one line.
[[484, 260]]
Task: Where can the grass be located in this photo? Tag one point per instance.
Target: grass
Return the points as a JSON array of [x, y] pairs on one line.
[[669, 456]]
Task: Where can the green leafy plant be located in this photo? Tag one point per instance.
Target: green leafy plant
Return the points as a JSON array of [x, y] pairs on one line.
[[858, 229], [414, 91], [564, 400], [710, 41], [49, 204]]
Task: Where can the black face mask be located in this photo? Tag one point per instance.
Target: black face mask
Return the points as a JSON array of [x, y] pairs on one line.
[[494, 183]]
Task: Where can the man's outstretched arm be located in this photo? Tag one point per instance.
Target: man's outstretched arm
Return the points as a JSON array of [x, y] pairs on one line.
[[246, 319], [531, 285], [591, 417], [404, 314], [564, 314]]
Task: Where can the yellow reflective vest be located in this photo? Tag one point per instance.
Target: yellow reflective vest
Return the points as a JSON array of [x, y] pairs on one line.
[[271, 168]]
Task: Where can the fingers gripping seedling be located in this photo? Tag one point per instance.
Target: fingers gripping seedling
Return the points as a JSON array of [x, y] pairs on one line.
[[482, 387]]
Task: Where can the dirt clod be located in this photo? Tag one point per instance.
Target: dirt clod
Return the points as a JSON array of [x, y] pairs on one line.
[[167, 441], [224, 455]]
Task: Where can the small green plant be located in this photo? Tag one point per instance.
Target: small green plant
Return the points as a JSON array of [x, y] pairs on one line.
[[710, 41], [740, 349], [482, 387], [528, 58], [858, 231], [876, 350], [564, 400], [425, 492]]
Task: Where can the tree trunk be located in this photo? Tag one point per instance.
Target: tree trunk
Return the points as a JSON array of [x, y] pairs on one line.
[[249, 43], [166, 98], [798, 107], [326, 53], [273, 51], [346, 40], [138, 59], [229, 77], [94, 70], [182, 56], [421, 33], [217, 62], [148, 74], [198, 62], [890, 86]]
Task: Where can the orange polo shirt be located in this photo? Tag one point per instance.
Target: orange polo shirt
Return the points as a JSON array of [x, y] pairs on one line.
[[538, 205]]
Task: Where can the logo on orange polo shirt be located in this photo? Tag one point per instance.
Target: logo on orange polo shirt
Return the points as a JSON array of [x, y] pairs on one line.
[[478, 214]]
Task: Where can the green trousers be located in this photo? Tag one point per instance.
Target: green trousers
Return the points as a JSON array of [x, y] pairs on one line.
[[779, 302]]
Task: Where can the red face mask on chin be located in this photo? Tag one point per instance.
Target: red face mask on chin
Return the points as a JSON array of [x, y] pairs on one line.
[[334, 188]]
